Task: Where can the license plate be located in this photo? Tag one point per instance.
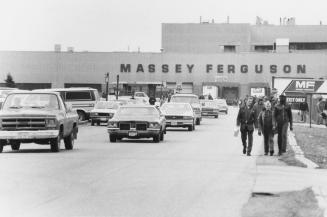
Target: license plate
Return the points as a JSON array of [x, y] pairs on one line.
[[132, 133], [173, 123]]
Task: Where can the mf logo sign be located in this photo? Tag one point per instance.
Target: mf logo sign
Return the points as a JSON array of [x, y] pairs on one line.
[[310, 85], [303, 86]]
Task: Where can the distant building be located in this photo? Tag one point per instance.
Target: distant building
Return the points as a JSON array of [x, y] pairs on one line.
[[233, 57]]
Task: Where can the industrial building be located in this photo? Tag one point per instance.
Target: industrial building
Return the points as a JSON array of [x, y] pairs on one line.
[[239, 59]]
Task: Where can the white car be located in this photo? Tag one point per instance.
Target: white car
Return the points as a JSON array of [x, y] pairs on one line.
[[103, 111], [191, 99], [143, 96], [222, 104], [179, 115]]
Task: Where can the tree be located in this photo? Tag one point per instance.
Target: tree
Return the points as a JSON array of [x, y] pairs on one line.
[[10, 81]]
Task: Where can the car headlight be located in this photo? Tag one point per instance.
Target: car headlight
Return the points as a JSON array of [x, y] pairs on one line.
[[94, 114], [51, 123], [154, 125], [112, 124]]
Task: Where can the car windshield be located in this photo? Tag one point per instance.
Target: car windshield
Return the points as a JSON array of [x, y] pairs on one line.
[[170, 108], [185, 99], [106, 105], [31, 100], [139, 95], [137, 111], [209, 103], [221, 102]]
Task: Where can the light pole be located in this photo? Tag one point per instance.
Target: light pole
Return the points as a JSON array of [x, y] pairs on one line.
[[117, 87], [107, 84]]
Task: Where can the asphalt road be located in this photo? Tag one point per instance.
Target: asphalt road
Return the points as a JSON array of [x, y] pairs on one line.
[[199, 173]]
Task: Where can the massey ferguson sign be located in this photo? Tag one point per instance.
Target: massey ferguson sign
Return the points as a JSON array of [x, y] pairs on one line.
[[304, 86]]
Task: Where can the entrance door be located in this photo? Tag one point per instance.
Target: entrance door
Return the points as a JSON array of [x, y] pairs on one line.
[[230, 94], [152, 90], [187, 88]]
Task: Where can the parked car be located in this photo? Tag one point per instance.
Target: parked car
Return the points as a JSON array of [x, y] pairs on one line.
[[37, 116], [223, 107], [193, 100], [81, 99], [179, 115], [143, 96], [210, 108], [103, 111], [137, 121]]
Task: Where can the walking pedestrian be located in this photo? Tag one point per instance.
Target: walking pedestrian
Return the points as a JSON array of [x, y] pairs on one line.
[[320, 109], [283, 118], [245, 120], [304, 108], [266, 127], [258, 106]]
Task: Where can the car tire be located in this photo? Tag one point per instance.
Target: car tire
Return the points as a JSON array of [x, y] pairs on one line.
[[81, 115], [2, 143], [15, 145], [198, 121], [112, 138], [156, 138], [162, 136], [55, 144], [226, 112], [69, 142], [190, 128], [98, 123], [92, 122], [216, 116]]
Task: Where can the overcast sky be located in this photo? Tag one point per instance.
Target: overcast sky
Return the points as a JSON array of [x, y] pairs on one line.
[[115, 25]]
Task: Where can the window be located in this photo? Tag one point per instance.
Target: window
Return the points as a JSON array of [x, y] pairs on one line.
[[229, 48], [308, 45], [79, 96], [263, 48]]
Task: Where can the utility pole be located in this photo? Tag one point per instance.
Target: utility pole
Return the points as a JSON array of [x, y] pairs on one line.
[[107, 85], [117, 87]]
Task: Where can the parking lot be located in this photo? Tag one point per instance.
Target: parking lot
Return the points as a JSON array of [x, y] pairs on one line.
[[198, 173]]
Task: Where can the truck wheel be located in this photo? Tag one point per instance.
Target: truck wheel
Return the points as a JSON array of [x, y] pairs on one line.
[[2, 143], [92, 122], [15, 145], [216, 116], [98, 123], [69, 142], [81, 115], [198, 121], [55, 144], [156, 138], [162, 136], [112, 138], [190, 128]]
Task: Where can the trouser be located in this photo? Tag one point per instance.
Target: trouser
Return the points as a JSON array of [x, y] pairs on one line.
[[303, 116], [245, 133], [319, 118], [268, 140], [282, 136]]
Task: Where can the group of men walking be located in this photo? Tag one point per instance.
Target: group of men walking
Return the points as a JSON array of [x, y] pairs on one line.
[[268, 117]]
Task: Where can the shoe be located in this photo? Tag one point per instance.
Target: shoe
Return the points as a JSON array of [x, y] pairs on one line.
[[244, 150], [266, 153], [248, 154], [271, 153], [280, 153]]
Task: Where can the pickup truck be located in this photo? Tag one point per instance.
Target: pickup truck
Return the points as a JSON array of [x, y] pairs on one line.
[[37, 116]]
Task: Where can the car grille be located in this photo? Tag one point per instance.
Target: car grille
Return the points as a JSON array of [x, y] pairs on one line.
[[174, 117], [207, 110], [140, 126], [104, 114], [124, 126], [23, 123], [133, 124]]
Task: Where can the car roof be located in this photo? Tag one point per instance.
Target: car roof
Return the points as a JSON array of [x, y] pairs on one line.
[[33, 92], [184, 94], [70, 89], [178, 103], [137, 106]]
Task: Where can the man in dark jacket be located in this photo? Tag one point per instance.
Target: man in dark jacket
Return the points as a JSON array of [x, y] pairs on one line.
[[283, 118], [304, 108], [246, 119], [266, 127], [258, 107]]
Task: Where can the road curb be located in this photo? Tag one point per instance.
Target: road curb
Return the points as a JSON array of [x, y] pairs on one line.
[[299, 155]]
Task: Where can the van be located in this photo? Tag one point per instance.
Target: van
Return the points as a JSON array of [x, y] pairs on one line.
[[81, 99]]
